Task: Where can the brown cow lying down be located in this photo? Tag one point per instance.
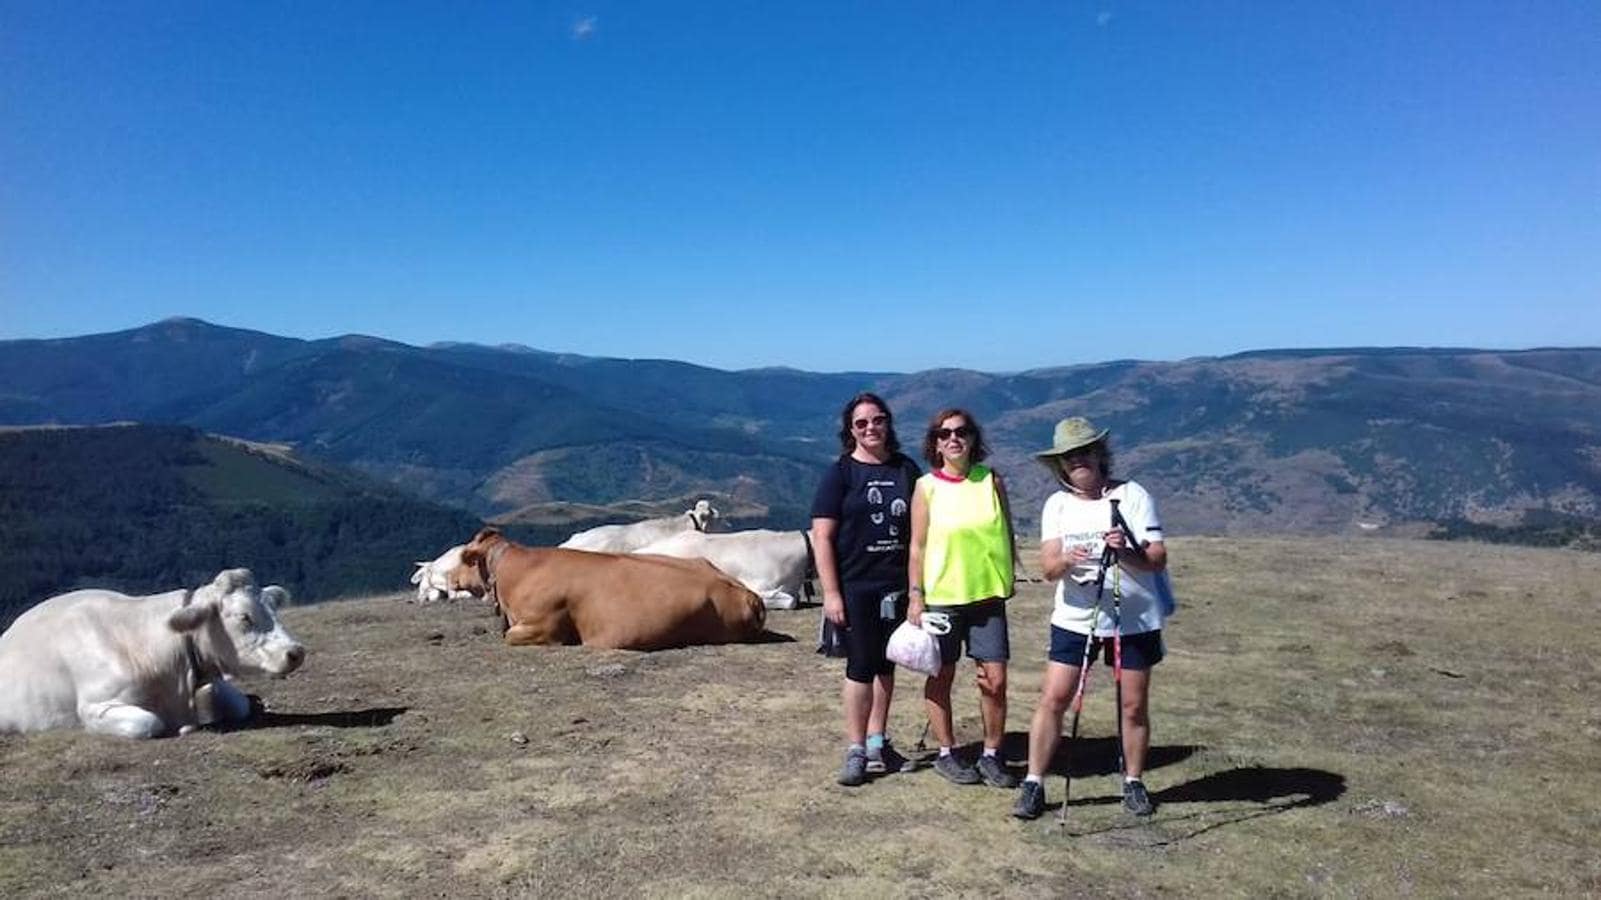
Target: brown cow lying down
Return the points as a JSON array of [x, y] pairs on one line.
[[615, 600]]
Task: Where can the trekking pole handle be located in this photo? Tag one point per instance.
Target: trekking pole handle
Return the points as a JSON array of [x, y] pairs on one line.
[[1121, 524]]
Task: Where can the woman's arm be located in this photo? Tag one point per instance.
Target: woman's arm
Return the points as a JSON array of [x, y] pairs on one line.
[[914, 557], [1006, 518], [1155, 553], [1141, 510], [828, 569]]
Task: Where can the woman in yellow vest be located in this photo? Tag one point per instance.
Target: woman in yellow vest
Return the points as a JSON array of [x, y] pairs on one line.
[[960, 573]]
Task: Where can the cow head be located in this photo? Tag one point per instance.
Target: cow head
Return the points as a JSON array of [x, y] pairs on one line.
[[472, 574], [703, 515], [235, 625]]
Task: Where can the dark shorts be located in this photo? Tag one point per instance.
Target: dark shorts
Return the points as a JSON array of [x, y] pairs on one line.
[[981, 627], [866, 632], [1140, 651]]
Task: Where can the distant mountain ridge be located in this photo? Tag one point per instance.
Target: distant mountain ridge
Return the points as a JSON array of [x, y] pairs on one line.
[[1300, 441]]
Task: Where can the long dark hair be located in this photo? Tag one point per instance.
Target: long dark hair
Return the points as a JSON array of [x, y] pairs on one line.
[[931, 442], [847, 437]]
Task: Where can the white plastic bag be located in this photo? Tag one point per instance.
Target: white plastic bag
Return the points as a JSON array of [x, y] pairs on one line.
[[914, 648]]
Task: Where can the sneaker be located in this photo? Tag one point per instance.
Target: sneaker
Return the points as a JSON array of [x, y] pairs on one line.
[[994, 772], [885, 760], [955, 771], [854, 772], [1030, 801], [1136, 800]]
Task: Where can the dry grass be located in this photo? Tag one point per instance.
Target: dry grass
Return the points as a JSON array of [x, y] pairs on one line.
[[1339, 718]]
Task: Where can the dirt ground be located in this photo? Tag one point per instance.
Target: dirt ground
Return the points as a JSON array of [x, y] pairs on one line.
[[1335, 718]]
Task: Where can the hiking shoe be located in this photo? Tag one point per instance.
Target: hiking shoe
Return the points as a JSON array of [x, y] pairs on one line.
[[1030, 801], [994, 772], [885, 760], [854, 772], [955, 771], [1136, 800]]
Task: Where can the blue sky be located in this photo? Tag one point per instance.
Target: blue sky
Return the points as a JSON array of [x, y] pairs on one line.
[[887, 186]]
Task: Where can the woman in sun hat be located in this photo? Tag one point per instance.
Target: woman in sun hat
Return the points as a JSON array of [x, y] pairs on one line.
[[1075, 527]]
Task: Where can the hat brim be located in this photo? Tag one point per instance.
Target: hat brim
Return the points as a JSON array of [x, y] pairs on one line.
[[1045, 455]]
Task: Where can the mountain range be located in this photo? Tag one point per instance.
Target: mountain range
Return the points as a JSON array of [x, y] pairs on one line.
[[1389, 440]]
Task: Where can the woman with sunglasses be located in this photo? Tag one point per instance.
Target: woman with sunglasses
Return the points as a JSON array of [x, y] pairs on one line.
[[860, 529], [960, 572], [1076, 530]]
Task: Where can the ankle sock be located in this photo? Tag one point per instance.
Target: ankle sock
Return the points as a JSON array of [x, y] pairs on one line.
[[875, 741]]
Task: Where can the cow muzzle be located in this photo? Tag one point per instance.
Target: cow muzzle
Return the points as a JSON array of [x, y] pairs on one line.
[[291, 659]]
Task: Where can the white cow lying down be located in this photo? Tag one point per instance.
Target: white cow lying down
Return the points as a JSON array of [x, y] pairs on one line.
[[433, 578], [630, 537], [142, 666], [773, 564]]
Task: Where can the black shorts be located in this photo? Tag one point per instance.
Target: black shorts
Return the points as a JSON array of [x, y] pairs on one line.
[[1140, 651], [866, 632]]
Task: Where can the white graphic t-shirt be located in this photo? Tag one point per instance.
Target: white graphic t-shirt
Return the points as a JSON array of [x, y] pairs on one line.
[[1077, 522]]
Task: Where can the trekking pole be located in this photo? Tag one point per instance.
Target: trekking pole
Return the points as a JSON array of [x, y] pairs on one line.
[[1121, 524], [1108, 555], [1138, 551], [1117, 662]]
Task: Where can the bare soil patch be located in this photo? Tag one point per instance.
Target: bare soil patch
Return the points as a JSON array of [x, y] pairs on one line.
[[1335, 718]]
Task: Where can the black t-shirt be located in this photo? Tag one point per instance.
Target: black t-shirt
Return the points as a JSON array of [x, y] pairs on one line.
[[873, 505]]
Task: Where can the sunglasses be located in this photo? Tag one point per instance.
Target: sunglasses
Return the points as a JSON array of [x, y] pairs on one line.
[[962, 431], [863, 423]]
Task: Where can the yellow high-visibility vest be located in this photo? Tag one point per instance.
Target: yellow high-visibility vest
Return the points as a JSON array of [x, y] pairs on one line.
[[967, 556]]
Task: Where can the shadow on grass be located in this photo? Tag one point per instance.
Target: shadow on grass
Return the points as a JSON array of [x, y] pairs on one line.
[[374, 717], [1088, 756], [1269, 791], [768, 636], [1098, 756]]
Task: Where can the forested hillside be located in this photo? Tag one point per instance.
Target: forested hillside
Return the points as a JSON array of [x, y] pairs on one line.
[[152, 508]]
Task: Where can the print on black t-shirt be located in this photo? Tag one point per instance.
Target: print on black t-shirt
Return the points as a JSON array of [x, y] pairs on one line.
[[871, 503]]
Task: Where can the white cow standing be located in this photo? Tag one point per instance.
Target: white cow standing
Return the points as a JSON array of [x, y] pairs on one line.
[[433, 578], [773, 564], [142, 667], [630, 537]]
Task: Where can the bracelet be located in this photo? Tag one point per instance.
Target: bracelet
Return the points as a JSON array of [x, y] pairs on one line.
[[914, 589]]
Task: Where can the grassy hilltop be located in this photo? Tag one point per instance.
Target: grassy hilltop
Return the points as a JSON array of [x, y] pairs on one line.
[[1336, 718]]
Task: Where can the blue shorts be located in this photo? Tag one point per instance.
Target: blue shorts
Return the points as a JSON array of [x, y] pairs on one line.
[[1140, 651]]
